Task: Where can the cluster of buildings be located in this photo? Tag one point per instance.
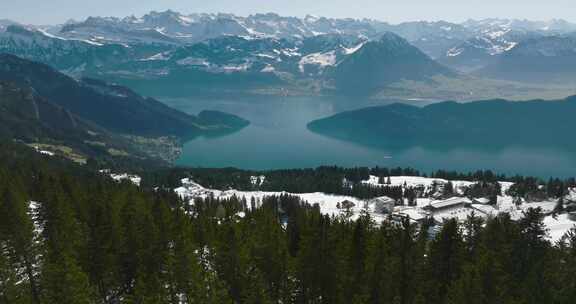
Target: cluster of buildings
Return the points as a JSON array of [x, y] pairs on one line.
[[459, 208]]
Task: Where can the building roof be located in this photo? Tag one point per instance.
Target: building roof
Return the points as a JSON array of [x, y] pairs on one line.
[[383, 199], [413, 214], [449, 202], [482, 200]]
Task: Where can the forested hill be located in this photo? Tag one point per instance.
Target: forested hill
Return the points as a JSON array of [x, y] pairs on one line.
[[29, 118], [69, 235], [113, 107], [91, 119], [491, 122]]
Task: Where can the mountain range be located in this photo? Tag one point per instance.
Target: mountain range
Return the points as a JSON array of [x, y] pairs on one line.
[[544, 59], [172, 27], [273, 54]]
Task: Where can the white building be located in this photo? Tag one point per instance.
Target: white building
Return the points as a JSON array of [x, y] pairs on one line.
[[383, 204], [415, 215], [451, 203]]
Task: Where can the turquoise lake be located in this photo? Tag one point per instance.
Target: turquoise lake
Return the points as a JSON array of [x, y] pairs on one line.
[[278, 138]]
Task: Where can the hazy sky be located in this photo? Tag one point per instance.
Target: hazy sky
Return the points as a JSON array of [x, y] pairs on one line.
[[58, 11]]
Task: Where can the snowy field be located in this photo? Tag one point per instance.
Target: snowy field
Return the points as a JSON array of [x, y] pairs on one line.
[[328, 203], [558, 226]]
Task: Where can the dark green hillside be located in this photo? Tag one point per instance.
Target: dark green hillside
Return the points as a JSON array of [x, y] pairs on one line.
[[492, 122], [113, 107], [27, 117]]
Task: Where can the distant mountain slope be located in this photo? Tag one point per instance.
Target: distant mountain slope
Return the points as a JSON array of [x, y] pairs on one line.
[[382, 62], [484, 49], [186, 29], [432, 38], [545, 59], [113, 107], [552, 26], [30, 118], [482, 122], [69, 55], [170, 27], [25, 114], [173, 54]]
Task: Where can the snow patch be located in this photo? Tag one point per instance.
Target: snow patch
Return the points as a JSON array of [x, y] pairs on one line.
[[119, 177], [319, 59], [557, 227], [352, 50]]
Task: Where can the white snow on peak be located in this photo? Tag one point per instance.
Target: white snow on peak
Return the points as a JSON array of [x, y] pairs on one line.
[[453, 52], [319, 59], [160, 56], [497, 34], [193, 61], [268, 69], [47, 34], [354, 49]]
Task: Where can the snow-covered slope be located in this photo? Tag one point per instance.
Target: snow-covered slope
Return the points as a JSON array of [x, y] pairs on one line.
[[492, 37], [329, 204], [65, 54], [550, 59], [173, 27], [484, 48], [160, 43], [169, 27], [553, 25]]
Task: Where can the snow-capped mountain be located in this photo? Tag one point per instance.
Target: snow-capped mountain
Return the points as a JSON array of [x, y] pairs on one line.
[[553, 46], [433, 38], [172, 27], [309, 57], [223, 54], [493, 37], [554, 25], [113, 30], [69, 55], [542, 59], [196, 48], [381, 62], [481, 50], [169, 27], [4, 23]]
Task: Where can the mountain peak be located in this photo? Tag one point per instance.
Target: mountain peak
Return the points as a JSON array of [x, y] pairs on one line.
[[393, 39], [380, 63]]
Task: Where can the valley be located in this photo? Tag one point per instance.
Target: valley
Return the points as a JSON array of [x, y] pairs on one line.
[[183, 158], [282, 73]]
